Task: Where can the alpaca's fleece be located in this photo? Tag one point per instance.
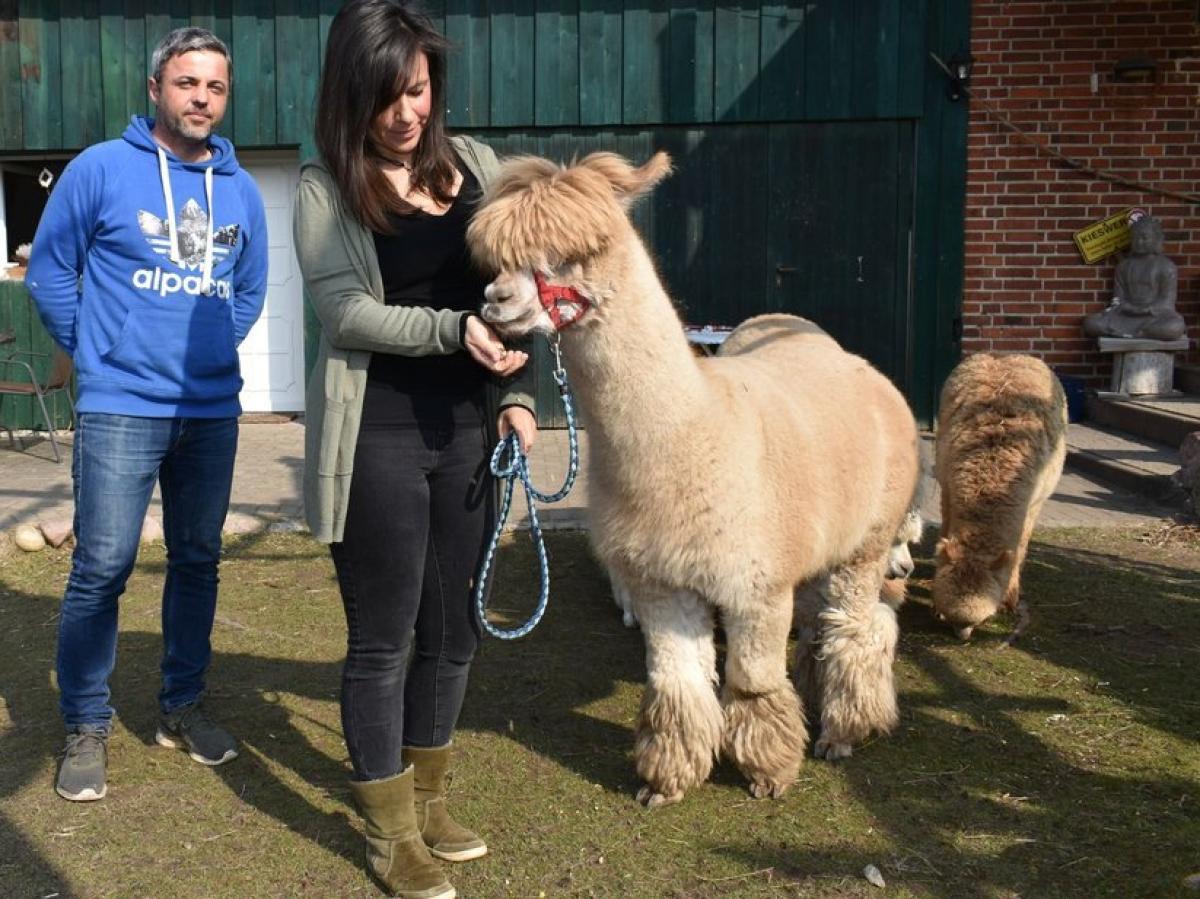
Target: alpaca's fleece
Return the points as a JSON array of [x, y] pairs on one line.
[[680, 723], [765, 736], [857, 686], [814, 596], [728, 479], [536, 214], [1001, 441]]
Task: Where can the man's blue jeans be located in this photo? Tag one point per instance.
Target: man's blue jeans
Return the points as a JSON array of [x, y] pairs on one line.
[[117, 459]]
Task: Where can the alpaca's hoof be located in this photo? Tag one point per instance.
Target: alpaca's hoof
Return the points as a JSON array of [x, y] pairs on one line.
[[629, 620], [833, 752], [651, 798], [769, 789]]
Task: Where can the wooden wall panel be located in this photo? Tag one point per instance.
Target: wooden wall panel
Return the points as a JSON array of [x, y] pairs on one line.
[[644, 69], [41, 75], [781, 62], [122, 67], [875, 46], [512, 77], [736, 62], [600, 61], [468, 89], [253, 49], [82, 76], [691, 60], [556, 63], [298, 56], [12, 131], [911, 61]]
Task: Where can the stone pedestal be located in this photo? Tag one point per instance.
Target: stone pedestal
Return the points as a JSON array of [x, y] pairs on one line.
[[1142, 367]]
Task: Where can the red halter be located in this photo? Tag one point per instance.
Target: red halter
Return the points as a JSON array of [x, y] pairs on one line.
[[565, 305]]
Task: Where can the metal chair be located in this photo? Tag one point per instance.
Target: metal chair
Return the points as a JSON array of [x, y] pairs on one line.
[[58, 379]]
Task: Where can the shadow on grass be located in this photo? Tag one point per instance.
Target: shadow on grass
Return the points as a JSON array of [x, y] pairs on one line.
[[550, 690], [1047, 768], [244, 691], [1131, 626], [532, 692], [999, 781]]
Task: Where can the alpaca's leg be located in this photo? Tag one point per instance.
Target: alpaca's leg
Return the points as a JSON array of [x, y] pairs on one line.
[[622, 599], [1012, 595], [811, 598], [764, 724], [858, 648], [680, 722]]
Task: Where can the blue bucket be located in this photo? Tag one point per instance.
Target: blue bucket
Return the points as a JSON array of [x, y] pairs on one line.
[[1076, 390]]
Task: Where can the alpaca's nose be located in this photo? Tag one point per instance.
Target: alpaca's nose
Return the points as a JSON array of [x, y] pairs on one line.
[[496, 292], [900, 562]]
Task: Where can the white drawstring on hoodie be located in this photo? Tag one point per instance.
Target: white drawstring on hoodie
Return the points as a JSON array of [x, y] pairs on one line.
[[172, 235]]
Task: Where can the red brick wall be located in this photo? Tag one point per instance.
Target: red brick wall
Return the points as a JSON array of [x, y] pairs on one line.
[[1026, 288]]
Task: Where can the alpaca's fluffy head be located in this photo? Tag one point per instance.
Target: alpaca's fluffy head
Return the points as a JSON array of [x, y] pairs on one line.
[[540, 216], [969, 587]]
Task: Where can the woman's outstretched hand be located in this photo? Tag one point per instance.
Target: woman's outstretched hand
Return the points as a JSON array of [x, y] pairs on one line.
[[488, 349]]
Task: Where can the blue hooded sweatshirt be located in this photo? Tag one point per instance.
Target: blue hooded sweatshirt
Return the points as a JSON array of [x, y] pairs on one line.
[[150, 271]]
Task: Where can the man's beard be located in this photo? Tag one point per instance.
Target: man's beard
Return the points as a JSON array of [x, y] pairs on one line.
[[181, 127]]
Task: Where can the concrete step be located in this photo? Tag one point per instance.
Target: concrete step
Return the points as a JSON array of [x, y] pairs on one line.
[[1126, 461], [1161, 419]]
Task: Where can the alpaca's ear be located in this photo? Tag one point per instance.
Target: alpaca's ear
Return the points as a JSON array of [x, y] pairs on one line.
[[629, 183], [1001, 560], [948, 550]]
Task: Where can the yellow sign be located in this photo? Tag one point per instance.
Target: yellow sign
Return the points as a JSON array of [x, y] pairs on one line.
[[1101, 239]]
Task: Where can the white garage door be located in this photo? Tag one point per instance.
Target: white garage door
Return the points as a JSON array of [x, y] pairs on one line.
[[273, 353]]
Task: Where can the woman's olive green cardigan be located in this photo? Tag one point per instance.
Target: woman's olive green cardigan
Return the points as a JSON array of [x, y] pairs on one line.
[[342, 281]]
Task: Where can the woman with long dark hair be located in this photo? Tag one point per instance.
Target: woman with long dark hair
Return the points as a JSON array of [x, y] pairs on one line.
[[399, 420]]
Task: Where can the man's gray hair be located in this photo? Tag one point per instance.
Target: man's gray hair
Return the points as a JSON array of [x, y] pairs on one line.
[[187, 40]]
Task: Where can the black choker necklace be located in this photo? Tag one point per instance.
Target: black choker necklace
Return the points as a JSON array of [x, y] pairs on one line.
[[405, 164]]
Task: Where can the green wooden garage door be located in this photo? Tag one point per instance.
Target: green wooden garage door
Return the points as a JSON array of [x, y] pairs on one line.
[[821, 166]]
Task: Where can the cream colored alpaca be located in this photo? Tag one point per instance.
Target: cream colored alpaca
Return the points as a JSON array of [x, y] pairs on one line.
[[716, 484]]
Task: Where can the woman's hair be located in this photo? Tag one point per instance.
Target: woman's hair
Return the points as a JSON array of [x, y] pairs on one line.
[[370, 56]]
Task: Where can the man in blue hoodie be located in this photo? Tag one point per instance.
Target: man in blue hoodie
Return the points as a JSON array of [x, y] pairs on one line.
[[149, 267]]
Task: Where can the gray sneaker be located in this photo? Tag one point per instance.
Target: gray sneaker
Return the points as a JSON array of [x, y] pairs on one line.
[[189, 728], [81, 774]]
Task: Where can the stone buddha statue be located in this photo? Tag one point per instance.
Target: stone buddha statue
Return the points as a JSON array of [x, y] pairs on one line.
[[1144, 289]]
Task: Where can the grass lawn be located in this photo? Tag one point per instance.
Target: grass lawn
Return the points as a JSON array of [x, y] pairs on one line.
[[1067, 765]]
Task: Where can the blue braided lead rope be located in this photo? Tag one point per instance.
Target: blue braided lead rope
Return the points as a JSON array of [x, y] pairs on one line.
[[517, 468]]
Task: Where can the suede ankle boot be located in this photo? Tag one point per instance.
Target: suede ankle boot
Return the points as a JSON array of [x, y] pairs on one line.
[[445, 837], [396, 856]]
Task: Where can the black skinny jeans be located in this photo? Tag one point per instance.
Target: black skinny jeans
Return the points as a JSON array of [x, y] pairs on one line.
[[419, 517]]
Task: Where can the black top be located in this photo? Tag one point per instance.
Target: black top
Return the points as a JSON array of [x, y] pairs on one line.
[[426, 263]]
